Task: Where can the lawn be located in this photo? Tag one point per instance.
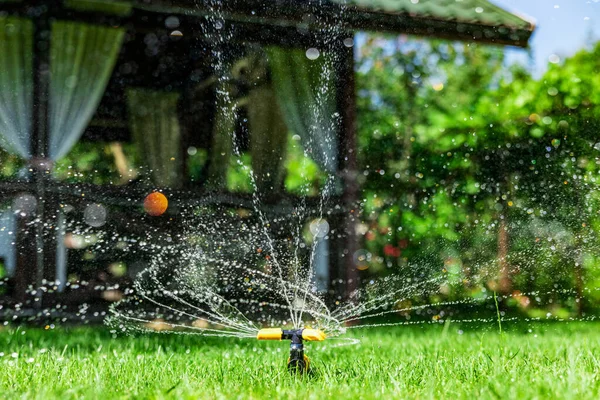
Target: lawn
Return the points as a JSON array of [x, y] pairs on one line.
[[455, 362]]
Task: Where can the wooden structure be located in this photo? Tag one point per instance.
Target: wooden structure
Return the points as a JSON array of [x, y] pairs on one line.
[[186, 33]]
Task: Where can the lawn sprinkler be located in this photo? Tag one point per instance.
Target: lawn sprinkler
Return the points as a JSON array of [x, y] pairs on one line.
[[298, 362]]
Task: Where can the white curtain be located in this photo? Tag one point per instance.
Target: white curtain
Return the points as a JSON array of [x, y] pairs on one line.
[[61, 252], [7, 239], [268, 139], [16, 85], [154, 123], [224, 124], [306, 94], [82, 58], [16, 106], [321, 265]]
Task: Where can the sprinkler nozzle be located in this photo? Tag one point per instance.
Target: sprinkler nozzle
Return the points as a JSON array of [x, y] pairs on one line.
[[298, 362]]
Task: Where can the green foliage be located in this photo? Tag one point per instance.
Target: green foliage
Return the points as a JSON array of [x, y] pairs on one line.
[[94, 162], [196, 163], [453, 142], [303, 175], [239, 174], [10, 165]]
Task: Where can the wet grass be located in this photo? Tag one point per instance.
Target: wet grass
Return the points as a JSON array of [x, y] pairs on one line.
[[455, 362]]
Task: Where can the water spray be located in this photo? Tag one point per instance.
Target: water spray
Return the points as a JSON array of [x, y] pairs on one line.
[[298, 361]]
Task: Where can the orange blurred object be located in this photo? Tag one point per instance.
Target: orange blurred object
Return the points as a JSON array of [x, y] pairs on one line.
[[156, 204]]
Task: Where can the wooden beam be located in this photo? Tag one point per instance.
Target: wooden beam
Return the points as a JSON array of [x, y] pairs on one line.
[[131, 196], [25, 271], [41, 79], [291, 15], [296, 13], [347, 166], [106, 134]]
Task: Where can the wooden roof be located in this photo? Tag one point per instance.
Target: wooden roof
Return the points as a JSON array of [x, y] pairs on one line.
[[478, 20]]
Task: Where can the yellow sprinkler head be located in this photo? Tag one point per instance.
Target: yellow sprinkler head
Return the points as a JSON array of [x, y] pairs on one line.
[[298, 362], [270, 334], [313, 335]]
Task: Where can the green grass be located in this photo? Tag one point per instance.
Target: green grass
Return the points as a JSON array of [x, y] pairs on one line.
[[551, 361]]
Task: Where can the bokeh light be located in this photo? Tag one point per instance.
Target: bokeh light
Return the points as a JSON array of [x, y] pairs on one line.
[[156, 204], [95, 215], [25, 204], [319, 228], [312, 53], [362, 258]]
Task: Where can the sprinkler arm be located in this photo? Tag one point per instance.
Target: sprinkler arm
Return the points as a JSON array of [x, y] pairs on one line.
[[311, 335]]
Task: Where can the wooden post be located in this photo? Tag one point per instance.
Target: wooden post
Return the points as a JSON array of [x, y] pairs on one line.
[[25, 272], [32, 248], [347, 166]]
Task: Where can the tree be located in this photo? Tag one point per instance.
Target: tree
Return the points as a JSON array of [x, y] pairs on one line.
[[467, 164]]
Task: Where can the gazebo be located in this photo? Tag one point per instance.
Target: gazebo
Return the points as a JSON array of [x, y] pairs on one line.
[[148, 71]]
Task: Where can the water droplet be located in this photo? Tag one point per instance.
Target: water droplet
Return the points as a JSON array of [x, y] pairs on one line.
[[312, 53], [25, 204], [319, 228], [172, 22], [361, 259], [95, 215]]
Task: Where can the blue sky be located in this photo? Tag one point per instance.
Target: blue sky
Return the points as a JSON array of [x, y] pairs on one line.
[[562, 28]]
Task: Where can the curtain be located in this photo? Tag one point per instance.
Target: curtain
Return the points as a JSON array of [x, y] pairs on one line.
[[16, 107], [154, 123], [321, 265], [61, 252], [7, 239], [222, 136], [268, 139], [16, 85], [82, 58], [306, 95], [268, 130]]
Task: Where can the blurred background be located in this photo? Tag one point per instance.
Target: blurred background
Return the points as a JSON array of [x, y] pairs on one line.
[[465, 155]]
